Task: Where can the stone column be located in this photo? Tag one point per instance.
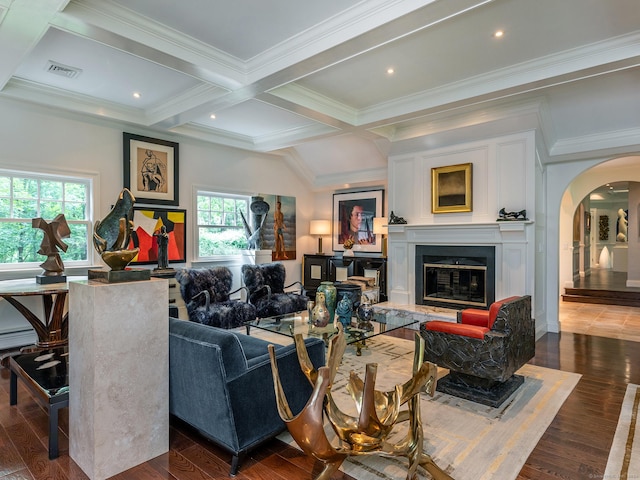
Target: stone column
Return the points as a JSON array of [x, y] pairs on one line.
[[118, 374]]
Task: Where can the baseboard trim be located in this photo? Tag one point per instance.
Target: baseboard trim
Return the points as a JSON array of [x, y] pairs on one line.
[[17, 339]]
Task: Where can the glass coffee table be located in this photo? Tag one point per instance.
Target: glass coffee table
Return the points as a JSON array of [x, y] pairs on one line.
[[356, 334]]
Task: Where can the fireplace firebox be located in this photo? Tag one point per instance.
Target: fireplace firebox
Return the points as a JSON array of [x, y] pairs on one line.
[[455, 276]]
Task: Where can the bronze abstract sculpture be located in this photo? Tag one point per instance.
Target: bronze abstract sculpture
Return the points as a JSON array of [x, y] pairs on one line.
[[378, 412], [54, 232], [111, 235]]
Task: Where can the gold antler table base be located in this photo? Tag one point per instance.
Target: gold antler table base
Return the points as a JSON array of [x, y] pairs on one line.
[[378, 412]]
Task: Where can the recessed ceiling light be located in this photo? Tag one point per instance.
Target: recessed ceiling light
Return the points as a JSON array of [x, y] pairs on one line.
[[136, 95], [212, 116], [390, 71], [498, 33]]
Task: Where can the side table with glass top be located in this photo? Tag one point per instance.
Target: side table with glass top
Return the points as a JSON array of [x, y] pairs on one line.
[[356, 334], [46, 375]]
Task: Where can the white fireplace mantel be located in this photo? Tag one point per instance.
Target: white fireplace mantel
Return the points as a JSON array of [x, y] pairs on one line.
[[514, 254]]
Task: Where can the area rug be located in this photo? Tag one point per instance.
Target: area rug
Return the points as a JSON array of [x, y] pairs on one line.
[[468, 440], [624, 456]]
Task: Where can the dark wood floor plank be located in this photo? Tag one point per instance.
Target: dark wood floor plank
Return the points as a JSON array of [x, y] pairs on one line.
[[179, 467], [210, 463], [19, 475], [11, 460], [34, 454]]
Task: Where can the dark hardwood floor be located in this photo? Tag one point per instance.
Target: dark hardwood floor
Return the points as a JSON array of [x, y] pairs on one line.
[[575, 446]]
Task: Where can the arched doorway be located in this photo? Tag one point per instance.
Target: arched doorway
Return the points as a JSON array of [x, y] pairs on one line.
[[574, 249]]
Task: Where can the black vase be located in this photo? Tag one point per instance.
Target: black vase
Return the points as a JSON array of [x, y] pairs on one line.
[[354, 293]]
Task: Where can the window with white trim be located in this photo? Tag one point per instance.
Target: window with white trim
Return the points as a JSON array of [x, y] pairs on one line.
[[25, 196], [220, 229]]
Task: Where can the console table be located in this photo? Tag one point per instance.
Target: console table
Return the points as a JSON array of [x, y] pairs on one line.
[[53, 329], [336, 268]]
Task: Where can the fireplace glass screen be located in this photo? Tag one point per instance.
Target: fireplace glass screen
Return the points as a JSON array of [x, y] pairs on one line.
[[455, 284]]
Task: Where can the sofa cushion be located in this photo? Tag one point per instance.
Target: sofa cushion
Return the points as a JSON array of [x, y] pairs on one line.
[[473, 331], [229, 314], [280, 304], [227, 342]]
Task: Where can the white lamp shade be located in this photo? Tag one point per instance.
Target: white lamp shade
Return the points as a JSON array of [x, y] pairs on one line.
[[380, 225], [320, 227]]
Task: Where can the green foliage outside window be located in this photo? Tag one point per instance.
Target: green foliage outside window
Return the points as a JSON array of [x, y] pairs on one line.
[[23, 198], [220, 227]]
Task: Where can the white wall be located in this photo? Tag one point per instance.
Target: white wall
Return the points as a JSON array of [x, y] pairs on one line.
[[504, 176], [37, 139]]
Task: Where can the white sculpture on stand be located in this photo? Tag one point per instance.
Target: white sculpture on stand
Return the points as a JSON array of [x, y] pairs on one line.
[[622, 226]]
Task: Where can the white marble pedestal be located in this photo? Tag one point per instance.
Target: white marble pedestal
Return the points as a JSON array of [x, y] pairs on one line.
[[118, 375], [257, 257]]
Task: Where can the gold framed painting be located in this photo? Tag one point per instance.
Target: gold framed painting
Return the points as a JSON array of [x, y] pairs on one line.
[[451, 188]]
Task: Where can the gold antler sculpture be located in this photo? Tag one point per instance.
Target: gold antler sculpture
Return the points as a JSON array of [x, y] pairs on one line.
[[378, 412]]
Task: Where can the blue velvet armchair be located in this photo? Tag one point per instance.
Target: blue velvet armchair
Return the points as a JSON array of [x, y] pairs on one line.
[[220, 382], [267, 290], [206, 293]]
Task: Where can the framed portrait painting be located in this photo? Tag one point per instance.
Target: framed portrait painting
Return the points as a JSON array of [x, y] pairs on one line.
[[353, 215], [451, 188], [151, 169], [148, 222]]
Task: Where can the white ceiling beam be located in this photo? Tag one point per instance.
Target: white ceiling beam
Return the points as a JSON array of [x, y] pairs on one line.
[[24, 24]]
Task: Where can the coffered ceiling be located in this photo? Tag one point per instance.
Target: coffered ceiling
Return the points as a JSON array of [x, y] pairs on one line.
[[311, 80]]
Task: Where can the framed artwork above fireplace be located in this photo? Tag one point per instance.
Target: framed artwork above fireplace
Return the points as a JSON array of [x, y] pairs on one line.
[[451, 188]]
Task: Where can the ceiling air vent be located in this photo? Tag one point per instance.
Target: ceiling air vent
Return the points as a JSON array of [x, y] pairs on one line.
[[63, 70]]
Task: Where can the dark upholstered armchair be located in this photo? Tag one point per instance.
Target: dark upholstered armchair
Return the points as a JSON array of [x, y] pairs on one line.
[[483, 350], [267, 290], [207, 291], [220, 382]]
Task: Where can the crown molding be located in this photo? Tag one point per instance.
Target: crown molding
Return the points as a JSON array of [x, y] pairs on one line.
[[339, 29], [299, 95], [564, 67], [111, 23], [627, 139], [51, 97], [292, 137], [211, 135], [190, 99]]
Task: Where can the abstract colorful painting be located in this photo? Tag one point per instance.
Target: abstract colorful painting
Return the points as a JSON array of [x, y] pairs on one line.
[[147, 222]]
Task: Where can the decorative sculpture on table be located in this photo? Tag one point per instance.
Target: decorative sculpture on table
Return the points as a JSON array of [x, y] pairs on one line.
[[110, 239], [378, 412], [54, 232], [504, 216], [162, 238], [396, 220]]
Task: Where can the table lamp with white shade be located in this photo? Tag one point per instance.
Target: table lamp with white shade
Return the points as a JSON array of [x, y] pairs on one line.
[[320, 227], [380, 228]]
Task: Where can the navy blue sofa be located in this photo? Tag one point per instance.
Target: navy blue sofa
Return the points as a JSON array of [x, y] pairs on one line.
[[220, 382]]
